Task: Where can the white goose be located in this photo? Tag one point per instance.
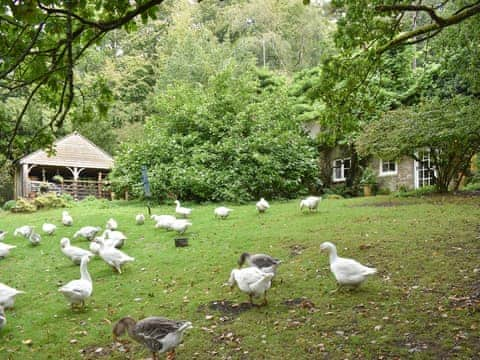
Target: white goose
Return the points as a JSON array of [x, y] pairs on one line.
[[180, 225], [113, 257], [87, 232], [7, 295], [222, 212], [24, 231], [76, 291], [185, 212], [3, 318], [5, 249], [140, 219], [49, 229], [3, 234], [67, 220], [34, 238], [74, 253], [164, 221], [114, 238], [311, 203], [111, 224], [264, 262], [95, 245], [252, 281], [262, 205], [347, 271]]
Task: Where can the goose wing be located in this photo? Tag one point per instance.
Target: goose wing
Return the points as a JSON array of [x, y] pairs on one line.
[[263, 261], [151, 331], [349, 268], [77, 288], [75, 251]]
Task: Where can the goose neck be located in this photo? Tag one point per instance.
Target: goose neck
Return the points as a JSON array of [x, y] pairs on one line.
[[84, 275], [332, 254]]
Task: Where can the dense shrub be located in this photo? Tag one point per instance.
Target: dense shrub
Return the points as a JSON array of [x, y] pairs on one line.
[[423, 191], [67, 197], [24, 205], [229, 141], [333, 197], [9, 205], [342, 190], [50, 200], [6, 182]]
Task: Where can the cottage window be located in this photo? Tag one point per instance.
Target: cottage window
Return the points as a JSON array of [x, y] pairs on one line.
[[341, 169], [388, 167]]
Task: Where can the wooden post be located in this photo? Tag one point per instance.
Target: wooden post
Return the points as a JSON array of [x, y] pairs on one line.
[[76, 174], [75, 178], [24, 180], [100, 184]]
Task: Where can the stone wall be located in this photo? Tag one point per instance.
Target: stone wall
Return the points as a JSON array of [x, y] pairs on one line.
[[405, 176]]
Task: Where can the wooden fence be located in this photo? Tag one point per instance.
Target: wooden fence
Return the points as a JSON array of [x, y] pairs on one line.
[[79, 189]]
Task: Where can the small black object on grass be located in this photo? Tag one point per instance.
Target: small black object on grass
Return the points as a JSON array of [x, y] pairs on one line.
[[181, 242]]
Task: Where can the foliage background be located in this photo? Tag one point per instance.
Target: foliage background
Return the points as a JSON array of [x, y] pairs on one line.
[[221, 142]]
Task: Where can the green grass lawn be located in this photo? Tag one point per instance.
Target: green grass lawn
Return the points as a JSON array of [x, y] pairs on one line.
[[423, 303]]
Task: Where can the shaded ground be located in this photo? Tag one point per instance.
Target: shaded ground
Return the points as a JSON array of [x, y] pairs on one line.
[[226, 307]]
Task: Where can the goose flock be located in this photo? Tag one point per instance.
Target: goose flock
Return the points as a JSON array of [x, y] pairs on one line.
[[159, 334]]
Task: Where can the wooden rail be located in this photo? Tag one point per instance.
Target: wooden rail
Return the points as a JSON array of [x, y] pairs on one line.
[[79, 189]]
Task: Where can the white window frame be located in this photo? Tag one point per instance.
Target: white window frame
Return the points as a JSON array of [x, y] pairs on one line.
[[342, 169], [387, 173], [416, 164]]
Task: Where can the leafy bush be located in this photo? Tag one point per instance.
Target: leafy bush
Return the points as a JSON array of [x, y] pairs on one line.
[[228, 141], [368, 177], [9, 205], [6, 182], [383, 191], [423, 191], [341, 190], [90, 198], [334, 197], [49, 200], [471, 187], [24, 205], [67, 197]]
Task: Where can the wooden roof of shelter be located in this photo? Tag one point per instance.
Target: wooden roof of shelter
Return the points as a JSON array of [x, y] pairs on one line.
[[73, 150]]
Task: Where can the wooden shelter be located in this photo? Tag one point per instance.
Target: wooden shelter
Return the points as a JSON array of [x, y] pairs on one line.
[[78, 167]]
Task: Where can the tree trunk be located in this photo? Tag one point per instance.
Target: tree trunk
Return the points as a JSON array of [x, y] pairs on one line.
[[349, 181]]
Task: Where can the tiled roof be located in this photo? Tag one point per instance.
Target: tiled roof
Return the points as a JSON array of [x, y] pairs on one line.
[[73, 150]]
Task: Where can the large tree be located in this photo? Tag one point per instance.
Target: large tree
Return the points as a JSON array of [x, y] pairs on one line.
[[233, 138], [448, 128], [41, 43]]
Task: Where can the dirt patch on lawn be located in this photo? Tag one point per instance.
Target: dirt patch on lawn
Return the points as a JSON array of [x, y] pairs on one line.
[[296, 249], [106, 350], [227, 307], [470, 301], [301, 302], [467, 193], [388, 204]]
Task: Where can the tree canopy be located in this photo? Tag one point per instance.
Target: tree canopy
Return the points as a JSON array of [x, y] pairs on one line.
[[42, 42], [448, 128], [230, 139]]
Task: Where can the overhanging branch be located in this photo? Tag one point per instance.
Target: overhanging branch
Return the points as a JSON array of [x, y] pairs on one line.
[[406, 7], [402, 38]]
